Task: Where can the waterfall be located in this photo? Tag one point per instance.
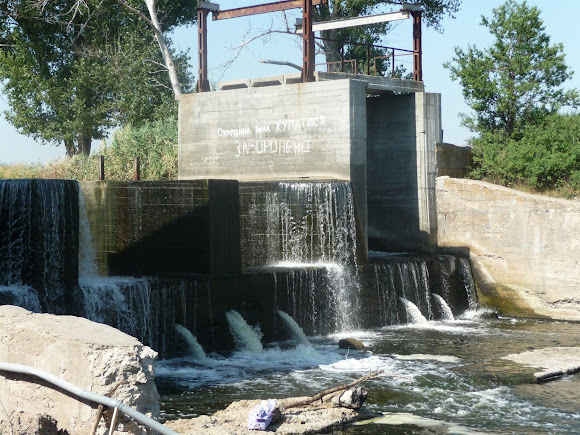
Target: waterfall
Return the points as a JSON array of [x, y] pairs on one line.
[[467, 277], [21, 296], [443, 307], [317, 223], [418, 279], [38, 239], [413, 313], [296, 330], [122, 302], [246, 337], [195, 348], [305, 225]]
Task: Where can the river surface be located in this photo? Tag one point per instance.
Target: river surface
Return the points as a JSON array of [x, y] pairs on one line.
[[439, 377]]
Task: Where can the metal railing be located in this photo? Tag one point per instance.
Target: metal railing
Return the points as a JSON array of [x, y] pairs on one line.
[[82, 394], [354, 64]]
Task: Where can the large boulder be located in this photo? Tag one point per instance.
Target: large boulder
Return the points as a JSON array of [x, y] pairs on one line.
[[90, 355], [351, 343]]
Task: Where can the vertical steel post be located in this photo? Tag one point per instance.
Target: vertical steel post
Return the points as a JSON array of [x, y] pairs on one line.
[[307, 42], [417, 49], [137, 169], [101, 168], [202, 81], [393, 63]]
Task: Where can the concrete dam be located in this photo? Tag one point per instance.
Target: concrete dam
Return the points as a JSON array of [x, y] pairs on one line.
[[292, 195], [306, 213]]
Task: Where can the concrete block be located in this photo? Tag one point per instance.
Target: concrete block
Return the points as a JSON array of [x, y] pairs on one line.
[[92, 356], [148, 228]]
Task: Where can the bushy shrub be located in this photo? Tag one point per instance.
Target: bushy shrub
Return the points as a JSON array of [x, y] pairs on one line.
[[544, 155]]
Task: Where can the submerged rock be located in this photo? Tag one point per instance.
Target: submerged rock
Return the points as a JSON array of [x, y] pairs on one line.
[[553, 362], [352, 398], [351, 343]]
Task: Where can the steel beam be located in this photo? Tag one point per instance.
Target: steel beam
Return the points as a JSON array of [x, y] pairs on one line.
[[262, 9], [417, 47], [308, 62], [358, 21], [202, 78]]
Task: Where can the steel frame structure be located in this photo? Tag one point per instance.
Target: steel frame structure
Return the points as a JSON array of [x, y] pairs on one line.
[[308, 28]]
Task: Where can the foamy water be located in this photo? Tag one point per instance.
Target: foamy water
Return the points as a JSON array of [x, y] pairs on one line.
[[427, 378]]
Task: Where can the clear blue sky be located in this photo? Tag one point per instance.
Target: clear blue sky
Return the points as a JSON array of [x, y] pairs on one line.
[[560, 21]]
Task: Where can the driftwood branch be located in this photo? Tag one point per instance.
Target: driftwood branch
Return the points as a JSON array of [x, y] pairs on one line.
[[319, 396], [101, 409]]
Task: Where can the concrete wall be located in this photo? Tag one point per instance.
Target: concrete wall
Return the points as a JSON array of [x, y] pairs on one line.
[[146, 228], [92, 356], [452, 160], [525, 248], [288, 132], [402, 132], [334, 130]]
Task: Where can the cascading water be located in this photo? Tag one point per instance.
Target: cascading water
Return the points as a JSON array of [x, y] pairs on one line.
[[297, 331], [467, 277], [38, 240], [309, 237], [246, 337], [446, 312], [413, 313], [311, 225], [195, 348], [416, 279]]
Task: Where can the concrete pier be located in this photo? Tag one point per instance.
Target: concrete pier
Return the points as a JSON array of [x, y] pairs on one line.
[[377, 133]]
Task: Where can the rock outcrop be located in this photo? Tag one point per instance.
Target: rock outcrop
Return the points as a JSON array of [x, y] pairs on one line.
[[92, 356], [314, 418]]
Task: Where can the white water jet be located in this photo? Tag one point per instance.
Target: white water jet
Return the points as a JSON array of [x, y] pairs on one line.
[[446, 312], [413, 313], [195, 348], [296, 330], [246, 337]]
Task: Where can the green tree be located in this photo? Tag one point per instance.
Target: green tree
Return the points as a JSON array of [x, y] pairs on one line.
[[73, 70], [336, 41], [517, 80]]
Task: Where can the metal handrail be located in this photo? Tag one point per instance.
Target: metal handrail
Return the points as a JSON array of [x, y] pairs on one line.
[[404, 52], [81, 393]]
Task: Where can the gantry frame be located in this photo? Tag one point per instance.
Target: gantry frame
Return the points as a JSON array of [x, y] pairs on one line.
[[308, 48]]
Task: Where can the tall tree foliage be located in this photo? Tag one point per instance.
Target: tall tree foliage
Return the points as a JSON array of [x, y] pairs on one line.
[[71, 70], [518, 79], [336, 41]]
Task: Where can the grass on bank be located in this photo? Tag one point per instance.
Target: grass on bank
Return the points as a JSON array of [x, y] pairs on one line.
[[155, 144]]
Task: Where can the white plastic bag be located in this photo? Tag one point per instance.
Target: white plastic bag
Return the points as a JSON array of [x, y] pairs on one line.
[[261, 415]]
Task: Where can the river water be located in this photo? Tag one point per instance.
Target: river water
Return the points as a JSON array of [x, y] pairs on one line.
[[439, 377]]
